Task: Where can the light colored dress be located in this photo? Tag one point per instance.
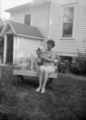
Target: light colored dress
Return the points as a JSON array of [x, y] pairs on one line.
[[49, 66]]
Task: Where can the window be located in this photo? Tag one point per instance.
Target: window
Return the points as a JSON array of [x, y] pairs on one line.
[[27, 19], [68, 20]]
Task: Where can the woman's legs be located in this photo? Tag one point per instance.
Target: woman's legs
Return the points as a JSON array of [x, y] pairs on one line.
[[41, 70], [43, 77], [44, 81], [47, 71]]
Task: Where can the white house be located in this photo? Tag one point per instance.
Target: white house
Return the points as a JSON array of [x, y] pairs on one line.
[[61, 20]]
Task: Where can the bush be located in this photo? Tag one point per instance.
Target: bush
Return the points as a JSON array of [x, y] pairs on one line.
[[78, 65], [64, 65]]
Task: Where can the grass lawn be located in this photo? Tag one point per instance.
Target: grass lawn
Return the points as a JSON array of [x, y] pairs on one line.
[[65, 98]]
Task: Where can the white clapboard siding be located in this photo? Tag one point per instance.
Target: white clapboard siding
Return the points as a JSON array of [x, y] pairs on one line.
[[81, 25], [78, 43], [39, 17], [65, 46], [24, 47]]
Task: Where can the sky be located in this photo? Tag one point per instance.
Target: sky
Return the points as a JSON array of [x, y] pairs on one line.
[[6, 4]]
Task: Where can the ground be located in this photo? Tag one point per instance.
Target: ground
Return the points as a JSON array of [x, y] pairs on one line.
[[65, 98]]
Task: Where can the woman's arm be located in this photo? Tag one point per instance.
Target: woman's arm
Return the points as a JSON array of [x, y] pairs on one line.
[[47, 59]]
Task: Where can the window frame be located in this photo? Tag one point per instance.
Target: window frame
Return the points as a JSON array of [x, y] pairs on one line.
[[74, 21]]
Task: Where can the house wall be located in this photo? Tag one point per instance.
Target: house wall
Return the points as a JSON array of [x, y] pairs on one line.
[[73, 45], [24, 47], [39, 17], [81, 26], [42, 16]]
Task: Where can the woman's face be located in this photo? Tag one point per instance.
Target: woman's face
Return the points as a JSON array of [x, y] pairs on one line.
[[49, 46]]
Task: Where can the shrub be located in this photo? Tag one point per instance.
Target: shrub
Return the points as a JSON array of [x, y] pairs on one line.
[[64, 67], [78, 65]]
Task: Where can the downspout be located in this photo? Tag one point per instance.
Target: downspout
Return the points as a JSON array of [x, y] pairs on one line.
[[50, 19], [49, 24]]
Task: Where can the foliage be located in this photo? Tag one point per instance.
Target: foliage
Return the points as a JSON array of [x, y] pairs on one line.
[[78, 65], [64, 67]]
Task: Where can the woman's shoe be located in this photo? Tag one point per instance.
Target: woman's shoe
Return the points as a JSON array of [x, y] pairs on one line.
[[38, 89], [43, 91]]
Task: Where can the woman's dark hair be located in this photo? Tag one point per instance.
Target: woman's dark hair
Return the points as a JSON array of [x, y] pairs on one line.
[[52, 42]]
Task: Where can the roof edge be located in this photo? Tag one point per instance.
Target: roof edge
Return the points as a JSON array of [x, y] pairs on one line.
[[11, 27], [29, 36], [30, 4], [7, 23]]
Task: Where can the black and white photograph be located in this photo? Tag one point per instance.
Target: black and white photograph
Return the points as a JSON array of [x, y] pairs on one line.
[[42, 59]]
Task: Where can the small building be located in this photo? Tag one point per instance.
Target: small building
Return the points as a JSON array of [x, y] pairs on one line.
[[20, 40]]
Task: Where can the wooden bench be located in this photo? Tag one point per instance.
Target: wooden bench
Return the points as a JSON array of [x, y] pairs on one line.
[[31, 73]]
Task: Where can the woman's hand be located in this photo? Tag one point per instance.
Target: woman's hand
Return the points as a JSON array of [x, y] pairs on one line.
[[46, 59]]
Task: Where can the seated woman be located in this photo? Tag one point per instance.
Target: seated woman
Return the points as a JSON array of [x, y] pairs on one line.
[[47, 67]]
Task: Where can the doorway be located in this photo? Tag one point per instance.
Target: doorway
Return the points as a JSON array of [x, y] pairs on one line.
[[1, 49], [9, 52]]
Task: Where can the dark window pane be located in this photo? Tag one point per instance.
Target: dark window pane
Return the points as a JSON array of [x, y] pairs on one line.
[[67, 29], [68, 21], [27, 19]]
